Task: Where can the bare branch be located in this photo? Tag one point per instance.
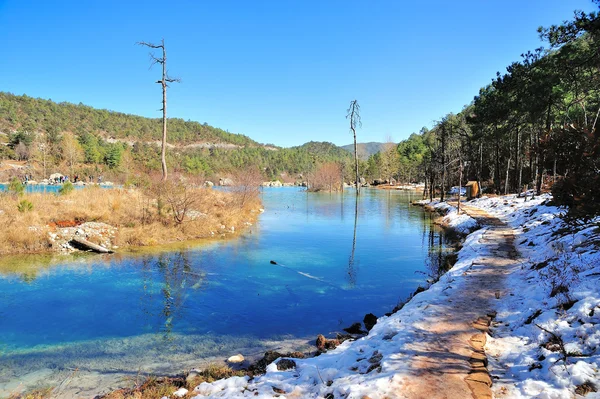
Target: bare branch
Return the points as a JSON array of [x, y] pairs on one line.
[[155, 60], [561, 344], [170, 79], [151, 45], [353, 113]]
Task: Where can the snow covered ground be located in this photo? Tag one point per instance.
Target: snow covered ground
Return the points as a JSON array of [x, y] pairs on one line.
[[553, 311], [547, 340], [462, 223]]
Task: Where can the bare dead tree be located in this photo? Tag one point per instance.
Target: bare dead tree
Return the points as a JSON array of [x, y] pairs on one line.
[[164, 83], [353, 114]]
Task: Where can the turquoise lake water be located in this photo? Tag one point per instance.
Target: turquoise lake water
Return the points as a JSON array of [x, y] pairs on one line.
[[162, 312], [40, 188]]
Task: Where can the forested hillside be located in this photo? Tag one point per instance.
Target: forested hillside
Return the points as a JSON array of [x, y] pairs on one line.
[[365, 150], [535, 126], [78, 139], [34, 114], [273, 162]]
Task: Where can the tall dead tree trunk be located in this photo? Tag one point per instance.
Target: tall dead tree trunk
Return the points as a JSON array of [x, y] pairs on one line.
[[164, 84], [519, 164], [354, 116], [460, 176], [540, 167], [443, 163]]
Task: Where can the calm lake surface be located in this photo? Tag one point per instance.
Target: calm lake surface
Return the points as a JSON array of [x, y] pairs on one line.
[[103, 317]]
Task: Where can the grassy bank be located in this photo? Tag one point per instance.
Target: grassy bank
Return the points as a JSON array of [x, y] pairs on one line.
[[121, 218]]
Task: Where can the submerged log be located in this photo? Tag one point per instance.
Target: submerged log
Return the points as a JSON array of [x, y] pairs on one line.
[[90, 246]]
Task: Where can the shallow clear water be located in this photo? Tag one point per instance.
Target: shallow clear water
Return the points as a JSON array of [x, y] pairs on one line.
[[110, 313]]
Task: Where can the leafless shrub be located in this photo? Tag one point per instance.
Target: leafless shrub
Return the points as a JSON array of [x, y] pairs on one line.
[[561, 275], [246, 185], [327, 177], [178, 194], [22, 152]]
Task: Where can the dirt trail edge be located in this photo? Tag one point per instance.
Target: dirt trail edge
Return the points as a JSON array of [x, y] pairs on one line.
[[449, 359]]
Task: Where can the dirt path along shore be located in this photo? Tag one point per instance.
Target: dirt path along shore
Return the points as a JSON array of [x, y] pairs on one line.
[[449, 360]]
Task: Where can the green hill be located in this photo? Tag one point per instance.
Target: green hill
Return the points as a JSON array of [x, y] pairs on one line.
[[323, 149], [365, 150], [79, 138], [36, 114]]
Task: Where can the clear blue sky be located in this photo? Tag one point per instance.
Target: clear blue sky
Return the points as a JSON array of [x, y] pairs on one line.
[[279, 71]]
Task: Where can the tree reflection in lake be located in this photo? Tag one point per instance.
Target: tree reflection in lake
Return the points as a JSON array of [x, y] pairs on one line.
[[175, 276], [351, 268], [441, 256]]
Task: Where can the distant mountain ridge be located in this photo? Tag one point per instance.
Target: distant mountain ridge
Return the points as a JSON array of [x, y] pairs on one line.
[[365, 150]]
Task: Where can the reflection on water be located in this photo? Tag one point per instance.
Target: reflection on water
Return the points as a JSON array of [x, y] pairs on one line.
[[337, 258], [351, 267]]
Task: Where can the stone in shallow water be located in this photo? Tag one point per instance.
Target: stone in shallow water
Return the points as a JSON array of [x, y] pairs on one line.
[[236, 359]]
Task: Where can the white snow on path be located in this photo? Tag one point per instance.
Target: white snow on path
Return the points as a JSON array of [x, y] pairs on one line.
[[382, 364], [562, 270]]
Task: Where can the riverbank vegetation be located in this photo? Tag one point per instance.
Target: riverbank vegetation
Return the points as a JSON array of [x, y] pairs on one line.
[[160, 387], [152, 214]]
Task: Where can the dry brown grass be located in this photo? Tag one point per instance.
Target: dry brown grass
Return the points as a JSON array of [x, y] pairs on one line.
[[136, 213], [36, 394], [158, 387]]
